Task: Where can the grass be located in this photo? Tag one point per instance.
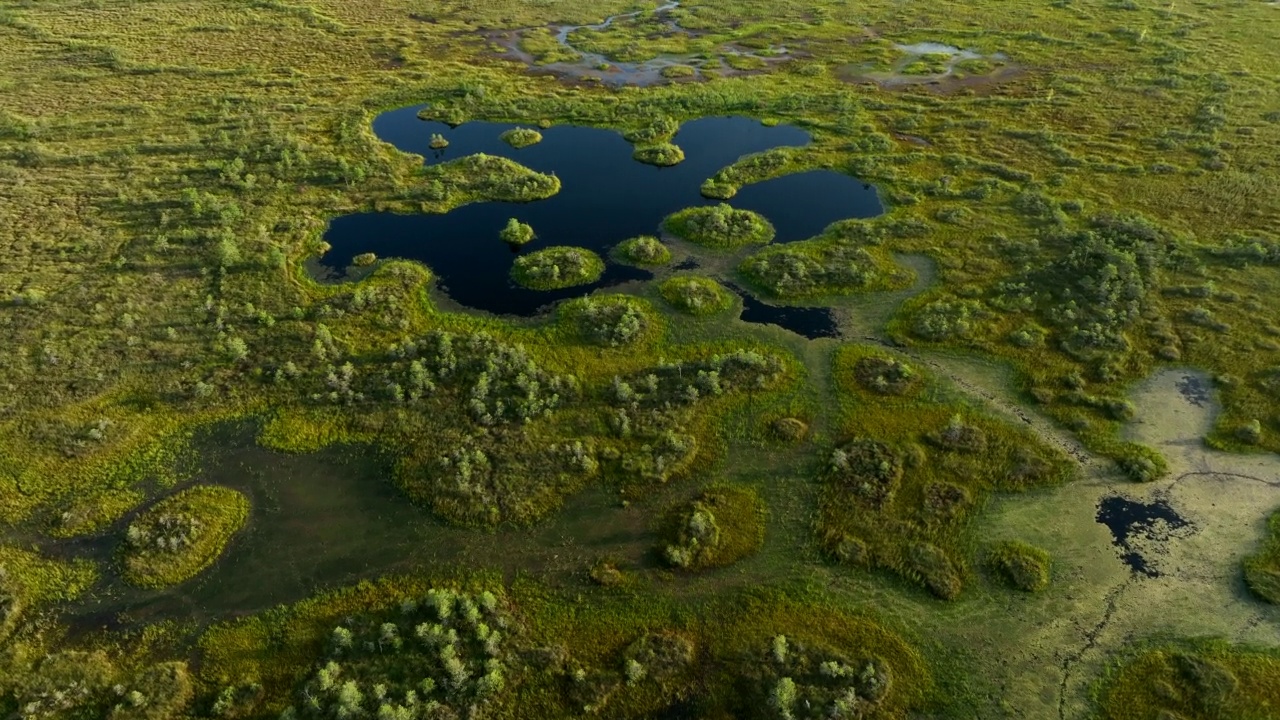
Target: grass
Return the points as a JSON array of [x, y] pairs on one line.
[[1022, 566], [182, 535], [1199, 681], [166, 171], [912, 464]]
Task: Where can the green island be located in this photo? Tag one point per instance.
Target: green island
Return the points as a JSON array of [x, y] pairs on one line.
[[183, 534], [934, 373], [554, 268]]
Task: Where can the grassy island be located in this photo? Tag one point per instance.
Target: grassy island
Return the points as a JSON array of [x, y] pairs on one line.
[[558, 267], [182, 535]]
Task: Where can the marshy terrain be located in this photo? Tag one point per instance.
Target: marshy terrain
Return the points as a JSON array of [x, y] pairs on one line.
[[697, 359]]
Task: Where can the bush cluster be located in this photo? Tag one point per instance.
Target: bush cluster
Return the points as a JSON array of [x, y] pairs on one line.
[[720, 226], [442, 656], [810, 269], [643, 250], [521, 137], [662, 155], [696, 295], [1022, 566], [557, 267], [182, 535]]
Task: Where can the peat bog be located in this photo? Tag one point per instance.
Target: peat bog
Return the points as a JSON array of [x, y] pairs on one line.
[[605, 197]]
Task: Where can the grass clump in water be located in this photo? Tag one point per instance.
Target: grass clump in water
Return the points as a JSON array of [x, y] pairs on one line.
[[720, 527], [557, 267], [517, 233], [521, 137], [1022, 566], [489, 177], [721, 227], [664, 155], [1262, 569], [696, 295], [643, 250], [182, 535]]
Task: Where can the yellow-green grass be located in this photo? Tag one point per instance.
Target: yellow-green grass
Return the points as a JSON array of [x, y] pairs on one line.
[[1198, 681], [946, 456], [1262, 569], [182, 535]]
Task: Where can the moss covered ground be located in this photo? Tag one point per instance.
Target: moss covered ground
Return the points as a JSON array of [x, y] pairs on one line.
[[1096, 192]]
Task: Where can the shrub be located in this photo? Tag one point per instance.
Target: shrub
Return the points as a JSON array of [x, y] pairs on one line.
[[793, 680], [438, 142], [643, 250], [789, 429], [557, 267], [516, 233], [696, 295], [720, 226], [443, 655], [813, 268], [1022, 566], [933, 566], [885, 376], [720, 527], [664, 155], [1262, 569], [521, 137], [364, 259], [493, 178], [946, 320], [661, 129], [870, 469], [182, 535], [959, 436], [610, 322], [1142, 464]]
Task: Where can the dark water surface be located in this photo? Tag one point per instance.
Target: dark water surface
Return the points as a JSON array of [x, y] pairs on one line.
[[1138, 526], [605, 197]]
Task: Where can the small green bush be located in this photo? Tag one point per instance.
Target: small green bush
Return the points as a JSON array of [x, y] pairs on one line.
[[720, 226], [720, 527], [696, 295], [1022, 566], [557, 267]]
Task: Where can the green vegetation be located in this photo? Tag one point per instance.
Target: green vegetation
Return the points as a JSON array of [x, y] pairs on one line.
[[720, 227], [521, 137], [1199, 682], [516, 233], [1022, 566], [1262, 569], [720, 527], [644, 251], [364, 259], [696, 295], [557, 267], [838, 262], [913, 465], [1098, 207], [182, 535], [664, 155]]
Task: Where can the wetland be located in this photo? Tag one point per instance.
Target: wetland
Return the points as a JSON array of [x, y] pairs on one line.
[[683, 359]]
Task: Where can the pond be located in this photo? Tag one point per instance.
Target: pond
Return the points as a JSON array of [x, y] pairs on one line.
[[605, 197]]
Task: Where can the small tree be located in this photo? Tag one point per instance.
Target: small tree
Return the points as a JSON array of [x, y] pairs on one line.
[[516, 233]]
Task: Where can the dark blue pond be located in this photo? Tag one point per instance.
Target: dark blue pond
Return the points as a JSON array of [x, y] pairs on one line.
[[605, 198]]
